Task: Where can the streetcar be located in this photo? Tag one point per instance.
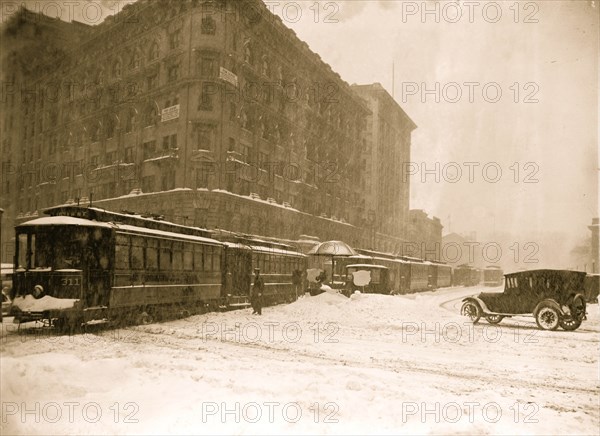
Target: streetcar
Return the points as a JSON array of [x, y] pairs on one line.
[[84, 265], [493, 275]]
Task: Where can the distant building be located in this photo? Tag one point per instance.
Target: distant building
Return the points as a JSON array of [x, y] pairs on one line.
[[386, 150], [424, 236]]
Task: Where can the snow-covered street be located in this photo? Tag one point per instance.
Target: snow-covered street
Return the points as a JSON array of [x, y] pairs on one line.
[[371, 364]]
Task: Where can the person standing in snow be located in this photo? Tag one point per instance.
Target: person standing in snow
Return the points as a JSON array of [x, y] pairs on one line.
[[297, 281], [257, 291]]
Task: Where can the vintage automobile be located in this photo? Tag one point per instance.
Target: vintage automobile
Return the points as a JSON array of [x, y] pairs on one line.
[[554, 297]]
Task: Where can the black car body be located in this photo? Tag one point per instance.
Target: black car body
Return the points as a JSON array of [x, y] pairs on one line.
[[553, 297]]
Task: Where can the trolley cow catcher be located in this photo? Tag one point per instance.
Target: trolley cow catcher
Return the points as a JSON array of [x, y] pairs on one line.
[[86, 265]]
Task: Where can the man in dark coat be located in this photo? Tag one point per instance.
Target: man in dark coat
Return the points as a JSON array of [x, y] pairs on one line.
[[297, 281], [256, 296]]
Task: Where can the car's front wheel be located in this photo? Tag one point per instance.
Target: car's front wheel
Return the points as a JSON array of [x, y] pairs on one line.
[[471, 310], [547, 318]]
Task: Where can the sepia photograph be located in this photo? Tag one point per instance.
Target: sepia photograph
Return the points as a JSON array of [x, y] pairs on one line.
[[310, 217]]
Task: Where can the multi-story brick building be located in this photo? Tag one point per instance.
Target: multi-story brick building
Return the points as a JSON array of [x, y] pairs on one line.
[[211, 113], [387, 190]]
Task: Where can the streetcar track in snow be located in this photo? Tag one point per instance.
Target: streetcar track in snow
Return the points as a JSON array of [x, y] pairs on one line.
[[398, 365]]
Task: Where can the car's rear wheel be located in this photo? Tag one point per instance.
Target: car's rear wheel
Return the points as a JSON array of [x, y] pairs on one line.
[[494, 319], [547, 318], [573, 321], [569, 324], [471, 310]]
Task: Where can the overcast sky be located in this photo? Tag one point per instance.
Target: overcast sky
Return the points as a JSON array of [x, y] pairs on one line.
[[551, 52], [544, 52]]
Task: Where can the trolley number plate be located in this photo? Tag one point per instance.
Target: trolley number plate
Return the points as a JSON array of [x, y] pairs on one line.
[[70, 281]]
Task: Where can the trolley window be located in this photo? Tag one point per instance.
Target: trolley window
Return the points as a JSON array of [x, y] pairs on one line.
[[137, 253], [152, 254], [207, 258], [188, 258], [216, 259], [198, 261], [177, 256], [57, 247], [122, 251], [165, 255]]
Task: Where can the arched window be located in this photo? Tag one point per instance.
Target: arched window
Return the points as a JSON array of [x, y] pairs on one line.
[[94, 132], [247, 53], [135, 60], [151, 116], [244, 118], [153, 53], [266, 69], [130, 120], [110, 126], [117, 68], [100, 76]]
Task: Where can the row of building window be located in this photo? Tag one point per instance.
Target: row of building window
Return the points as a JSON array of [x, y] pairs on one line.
[[150, 149], [167, 182], [174, 39]]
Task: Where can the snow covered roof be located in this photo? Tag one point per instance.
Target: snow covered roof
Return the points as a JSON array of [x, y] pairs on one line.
[[361, 265], [164, 234], [63, 220], [72, 221]]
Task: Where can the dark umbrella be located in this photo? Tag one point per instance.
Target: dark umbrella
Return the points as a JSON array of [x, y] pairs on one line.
[[333, 248]]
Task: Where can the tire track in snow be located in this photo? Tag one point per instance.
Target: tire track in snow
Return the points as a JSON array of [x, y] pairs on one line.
[[397, 366]]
